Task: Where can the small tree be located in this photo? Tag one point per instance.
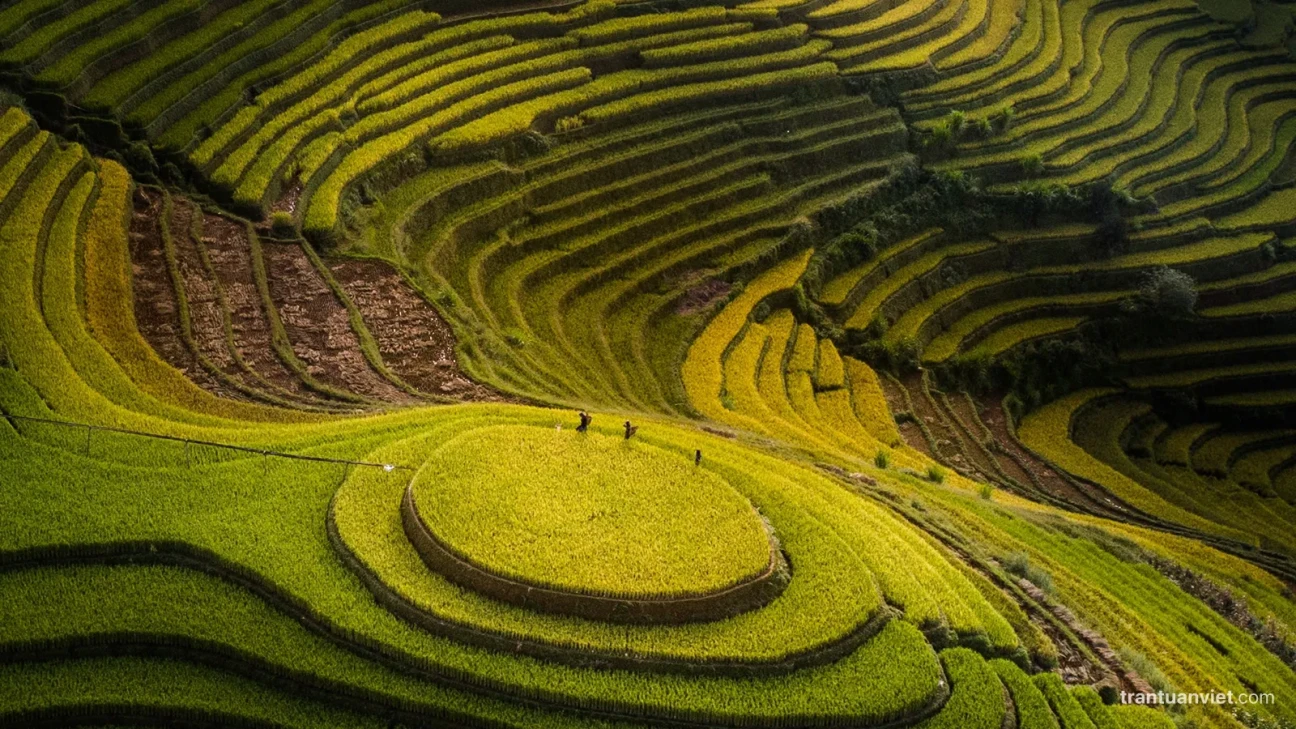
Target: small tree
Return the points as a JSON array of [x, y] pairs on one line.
[[942, 136], [1168, 293], [955, 121], [1032, 165], [1004, 117]]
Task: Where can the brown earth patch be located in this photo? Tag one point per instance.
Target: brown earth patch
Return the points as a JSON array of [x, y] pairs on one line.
[[973, 461], [416, 344], [967, 410], [1037, 471], [229, 251], [319, 326], [986, 453], [214, 262], [289, 200], [909, 430], [945, 439], [206, 312], [157, 311]]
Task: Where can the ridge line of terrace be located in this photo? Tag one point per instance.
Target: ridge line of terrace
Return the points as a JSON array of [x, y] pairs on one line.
[[192, 441]]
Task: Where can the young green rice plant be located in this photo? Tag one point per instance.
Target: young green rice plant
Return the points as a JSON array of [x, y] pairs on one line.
[[1047, 431], [898, 642], [976, 699], [1033, 710], [870, 403], [1065, 706], [1093, 705], [71, 64], [830, 372], [1142, 717], [95, 600], [39, 41], [322, 212], [110, 91]]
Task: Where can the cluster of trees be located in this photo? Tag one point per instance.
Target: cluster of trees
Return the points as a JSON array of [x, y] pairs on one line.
[[914, 199]]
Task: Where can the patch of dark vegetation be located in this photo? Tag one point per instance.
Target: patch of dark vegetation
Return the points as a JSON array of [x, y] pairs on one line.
[[913, 199], [1041, 371]]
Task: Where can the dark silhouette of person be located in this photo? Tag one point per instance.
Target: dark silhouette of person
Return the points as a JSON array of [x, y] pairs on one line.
[[697, 457], [630, 429], [585, 422]]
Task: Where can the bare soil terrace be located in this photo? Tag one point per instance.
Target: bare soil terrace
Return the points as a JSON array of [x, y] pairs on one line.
[[296, 338]]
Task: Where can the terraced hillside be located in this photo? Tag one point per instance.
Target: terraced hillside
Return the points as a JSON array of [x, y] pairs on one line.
[[834, 363]]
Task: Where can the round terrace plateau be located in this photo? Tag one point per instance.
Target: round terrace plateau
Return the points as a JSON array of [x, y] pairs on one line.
[[592, 525]]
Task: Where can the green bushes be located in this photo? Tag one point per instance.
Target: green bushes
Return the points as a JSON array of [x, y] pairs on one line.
[[1018, 563], [1168, 293]]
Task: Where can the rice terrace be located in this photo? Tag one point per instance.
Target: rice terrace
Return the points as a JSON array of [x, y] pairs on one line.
[[393, 364]]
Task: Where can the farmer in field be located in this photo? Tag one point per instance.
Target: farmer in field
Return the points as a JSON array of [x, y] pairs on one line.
[[585, 421], [697, 457], [630, 429]]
